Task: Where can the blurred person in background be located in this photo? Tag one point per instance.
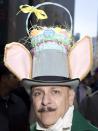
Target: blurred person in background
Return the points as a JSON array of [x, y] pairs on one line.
[[21, 92], [13, 112], [94, 85], [84, 89], [89, 108]]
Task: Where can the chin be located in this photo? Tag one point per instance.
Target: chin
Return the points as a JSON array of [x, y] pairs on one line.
[[48, 120], [47, 123]]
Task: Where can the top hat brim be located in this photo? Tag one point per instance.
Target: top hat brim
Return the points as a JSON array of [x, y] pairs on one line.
[[49, 81]]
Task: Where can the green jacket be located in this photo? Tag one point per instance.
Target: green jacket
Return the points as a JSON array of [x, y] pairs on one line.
[[79, 123]]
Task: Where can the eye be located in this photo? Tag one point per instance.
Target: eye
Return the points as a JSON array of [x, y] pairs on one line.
[[56, 91], [36, 93]]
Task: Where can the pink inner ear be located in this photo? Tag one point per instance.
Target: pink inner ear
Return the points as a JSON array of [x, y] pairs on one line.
[[80, 58], [18, 59]]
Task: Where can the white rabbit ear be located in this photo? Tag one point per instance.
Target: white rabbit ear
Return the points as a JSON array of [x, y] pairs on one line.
[[81, 58], [18, 60]]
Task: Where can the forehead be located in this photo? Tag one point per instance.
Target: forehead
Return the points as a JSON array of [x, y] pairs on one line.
[[50, 88]]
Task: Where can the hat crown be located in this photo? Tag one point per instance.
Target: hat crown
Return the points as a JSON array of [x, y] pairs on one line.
[[50, 62]]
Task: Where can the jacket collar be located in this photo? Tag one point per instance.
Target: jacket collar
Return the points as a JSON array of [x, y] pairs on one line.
[[79, 123]]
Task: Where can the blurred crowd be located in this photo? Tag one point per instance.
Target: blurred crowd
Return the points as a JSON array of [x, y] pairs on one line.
[[87, 97], [14, 103]]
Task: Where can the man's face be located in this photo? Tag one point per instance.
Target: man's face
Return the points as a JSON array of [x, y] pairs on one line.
[[50, 103]]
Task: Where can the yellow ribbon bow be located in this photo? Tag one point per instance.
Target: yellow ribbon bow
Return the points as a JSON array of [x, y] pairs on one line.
[[40, 14]]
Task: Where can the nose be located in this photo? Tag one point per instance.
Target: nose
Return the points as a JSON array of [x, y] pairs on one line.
[[46, 99]]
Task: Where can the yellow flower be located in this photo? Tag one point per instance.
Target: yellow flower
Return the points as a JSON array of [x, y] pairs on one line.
[[57, 29]]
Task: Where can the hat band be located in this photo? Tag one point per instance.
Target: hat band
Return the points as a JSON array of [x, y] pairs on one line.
[[50, 79]]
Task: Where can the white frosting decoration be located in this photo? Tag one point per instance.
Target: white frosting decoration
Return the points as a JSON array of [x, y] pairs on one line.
[[50, 45]]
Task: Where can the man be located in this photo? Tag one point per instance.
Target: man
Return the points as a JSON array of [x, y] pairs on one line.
[[51, 72], [53, 106], [13, 112], [53, 102]]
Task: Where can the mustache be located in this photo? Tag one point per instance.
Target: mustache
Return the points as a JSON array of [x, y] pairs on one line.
[[46, 109]]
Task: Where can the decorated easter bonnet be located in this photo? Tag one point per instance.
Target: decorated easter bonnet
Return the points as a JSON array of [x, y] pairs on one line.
[[50, 57]]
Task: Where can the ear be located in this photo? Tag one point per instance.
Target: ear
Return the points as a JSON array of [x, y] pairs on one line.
[[71, 97], [80, 58], [18, 60]]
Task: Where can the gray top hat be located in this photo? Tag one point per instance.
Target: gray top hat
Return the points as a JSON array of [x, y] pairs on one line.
[[50, 66], [50, 59]]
